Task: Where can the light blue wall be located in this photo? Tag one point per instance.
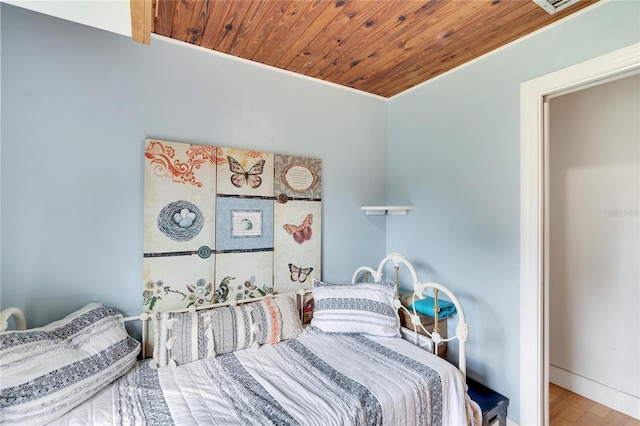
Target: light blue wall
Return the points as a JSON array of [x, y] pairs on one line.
[[1, 152], [454, 154], [77, 104]]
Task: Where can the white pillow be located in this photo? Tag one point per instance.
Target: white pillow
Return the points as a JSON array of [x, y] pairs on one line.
[[355, 308], [47, 371], [291, 324]]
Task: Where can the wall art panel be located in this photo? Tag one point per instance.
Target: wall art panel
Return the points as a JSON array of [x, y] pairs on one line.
[[244, 224], [225, 224], [177, 282], [297, 242], [297, 230], [298, 177], [179, 223], [243, 172], [243, 275], [179, 196]]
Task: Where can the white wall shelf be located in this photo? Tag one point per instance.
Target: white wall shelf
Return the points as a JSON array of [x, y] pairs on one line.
[[383, 210]]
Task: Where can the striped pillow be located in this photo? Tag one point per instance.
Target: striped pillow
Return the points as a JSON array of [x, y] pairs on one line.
[[355, 308], [47, 371], [183, 337]]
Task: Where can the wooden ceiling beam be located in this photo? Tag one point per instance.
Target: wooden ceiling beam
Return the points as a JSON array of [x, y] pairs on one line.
[[141, 20]]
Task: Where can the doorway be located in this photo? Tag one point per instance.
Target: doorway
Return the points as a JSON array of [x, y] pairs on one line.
[[534, 291], [592, 199]]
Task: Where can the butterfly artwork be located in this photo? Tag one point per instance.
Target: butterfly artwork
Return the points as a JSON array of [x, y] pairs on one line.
[[299, 274], [241, 177], [302, 232]]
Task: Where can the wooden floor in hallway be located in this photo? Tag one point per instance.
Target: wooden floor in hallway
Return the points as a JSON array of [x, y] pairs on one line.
[[567, 408]]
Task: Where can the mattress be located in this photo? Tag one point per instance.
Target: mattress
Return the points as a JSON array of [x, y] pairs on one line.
[[314, 379]]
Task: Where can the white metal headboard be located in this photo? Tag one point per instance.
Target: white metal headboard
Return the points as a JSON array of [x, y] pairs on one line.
[[420, 290], [18, 318]]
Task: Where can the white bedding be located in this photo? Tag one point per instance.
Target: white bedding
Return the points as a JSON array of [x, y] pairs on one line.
[[315, 379]]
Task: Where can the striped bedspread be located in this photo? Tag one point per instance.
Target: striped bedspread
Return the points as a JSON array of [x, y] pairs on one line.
[[315, 379]]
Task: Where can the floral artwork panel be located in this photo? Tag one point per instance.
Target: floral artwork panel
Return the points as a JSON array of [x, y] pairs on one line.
[[177, 282], [244, 224], [243, 276], [179, 196], [297, 244], [244, 172], [297, 177]]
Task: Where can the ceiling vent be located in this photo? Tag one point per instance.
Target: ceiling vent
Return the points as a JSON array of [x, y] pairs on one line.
[[553, 6]]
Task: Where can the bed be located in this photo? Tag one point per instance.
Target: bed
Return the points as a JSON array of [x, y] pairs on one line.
[[246, 364]]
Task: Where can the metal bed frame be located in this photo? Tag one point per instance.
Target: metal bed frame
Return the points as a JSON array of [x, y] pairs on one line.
[[420, 290]]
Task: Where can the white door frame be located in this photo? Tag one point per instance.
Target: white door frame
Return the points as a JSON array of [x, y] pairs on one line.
[[534, 304]]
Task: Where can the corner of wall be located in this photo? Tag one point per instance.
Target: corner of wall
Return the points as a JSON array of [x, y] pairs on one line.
[[0, 149]]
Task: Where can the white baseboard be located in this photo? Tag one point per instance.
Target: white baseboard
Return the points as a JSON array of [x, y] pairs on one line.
[[612, 398], [511, 422]]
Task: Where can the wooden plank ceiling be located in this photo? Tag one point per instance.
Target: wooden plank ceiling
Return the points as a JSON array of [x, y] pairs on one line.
[[383, 47]]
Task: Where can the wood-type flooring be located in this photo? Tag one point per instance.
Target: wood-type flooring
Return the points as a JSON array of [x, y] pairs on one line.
[[567, 408]]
